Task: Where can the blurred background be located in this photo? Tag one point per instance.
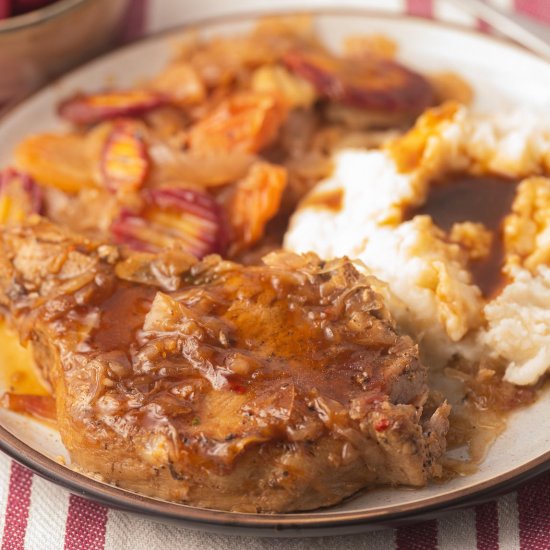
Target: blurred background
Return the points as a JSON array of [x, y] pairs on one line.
[[40, 39]]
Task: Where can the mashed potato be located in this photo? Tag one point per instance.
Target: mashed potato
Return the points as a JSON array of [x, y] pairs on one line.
[[519, 326], [430, 288]]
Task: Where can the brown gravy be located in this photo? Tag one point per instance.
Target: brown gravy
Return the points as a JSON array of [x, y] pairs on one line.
[[130, 303], [479, 199], [329, 200]]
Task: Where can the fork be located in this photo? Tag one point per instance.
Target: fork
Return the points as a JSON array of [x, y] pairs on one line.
[[520, 28]]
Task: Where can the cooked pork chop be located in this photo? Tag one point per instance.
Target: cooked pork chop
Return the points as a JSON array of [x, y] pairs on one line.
[[272, 388]]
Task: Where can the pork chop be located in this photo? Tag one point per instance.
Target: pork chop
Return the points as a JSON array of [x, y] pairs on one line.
[[270, 388]]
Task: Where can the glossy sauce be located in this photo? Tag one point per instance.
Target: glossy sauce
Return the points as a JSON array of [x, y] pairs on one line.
[[329, 200], [256, 355], [485, 200], [122, 315]]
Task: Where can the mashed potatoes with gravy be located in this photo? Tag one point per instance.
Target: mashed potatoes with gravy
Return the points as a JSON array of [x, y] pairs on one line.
[[364, 211]]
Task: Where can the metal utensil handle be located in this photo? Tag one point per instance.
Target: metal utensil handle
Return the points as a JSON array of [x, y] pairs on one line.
[[522, 29]]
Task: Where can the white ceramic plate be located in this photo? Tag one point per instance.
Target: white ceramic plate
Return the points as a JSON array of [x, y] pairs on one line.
[[503, 76]]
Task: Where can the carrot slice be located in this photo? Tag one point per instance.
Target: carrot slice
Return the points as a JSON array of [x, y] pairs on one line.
[[19, 196], [367, 82], [125, 161], [172, 218], [40, 406], [245, 122], [90, 109]]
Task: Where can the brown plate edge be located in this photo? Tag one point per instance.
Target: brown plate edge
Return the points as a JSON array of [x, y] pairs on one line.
[[269, 525]]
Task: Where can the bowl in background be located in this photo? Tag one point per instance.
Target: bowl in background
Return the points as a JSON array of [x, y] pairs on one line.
[[42, 44]]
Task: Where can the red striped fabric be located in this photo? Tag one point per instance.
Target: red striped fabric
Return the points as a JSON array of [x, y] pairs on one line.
[[487, 526], [482, 26], [539, 9], [534, 514], [86, 523], [422, 536], [134, 23], [17, 508], [420, 8]]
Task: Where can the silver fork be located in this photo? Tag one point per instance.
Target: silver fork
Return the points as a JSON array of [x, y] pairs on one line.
[[522, 29]]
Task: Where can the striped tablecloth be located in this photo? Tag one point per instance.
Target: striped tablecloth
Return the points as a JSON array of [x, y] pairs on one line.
[[40, 516]]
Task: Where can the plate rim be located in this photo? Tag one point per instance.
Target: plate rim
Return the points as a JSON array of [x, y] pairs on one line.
[[299, 523], [302, 523]]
